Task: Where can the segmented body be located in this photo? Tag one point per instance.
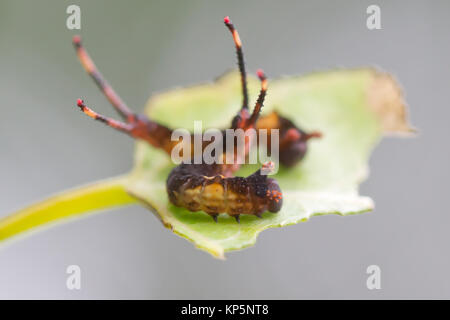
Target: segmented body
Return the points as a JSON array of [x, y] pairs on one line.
[[200, 187]]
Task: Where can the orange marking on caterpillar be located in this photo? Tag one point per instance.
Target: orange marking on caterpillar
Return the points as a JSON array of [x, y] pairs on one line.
[[292, 134], [86, 110]]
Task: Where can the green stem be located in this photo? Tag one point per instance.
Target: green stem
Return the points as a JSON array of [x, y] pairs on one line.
[[93, 197]]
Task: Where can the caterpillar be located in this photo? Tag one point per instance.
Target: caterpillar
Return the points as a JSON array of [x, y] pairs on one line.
[[211, 188], [201, 187]]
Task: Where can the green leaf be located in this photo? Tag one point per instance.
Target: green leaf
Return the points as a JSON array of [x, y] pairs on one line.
[[70, 204], [351, 107]]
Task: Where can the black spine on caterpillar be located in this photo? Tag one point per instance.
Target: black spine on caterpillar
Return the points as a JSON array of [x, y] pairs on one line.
[[201, 187]]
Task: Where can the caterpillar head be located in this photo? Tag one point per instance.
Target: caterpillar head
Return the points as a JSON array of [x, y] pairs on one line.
[[267, 189], [274, 196]]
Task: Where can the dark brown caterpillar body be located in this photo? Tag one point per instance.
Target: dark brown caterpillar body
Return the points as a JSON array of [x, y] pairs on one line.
[[200, 187]]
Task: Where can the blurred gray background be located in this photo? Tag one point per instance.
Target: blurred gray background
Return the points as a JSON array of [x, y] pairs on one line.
[[143, 47]]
